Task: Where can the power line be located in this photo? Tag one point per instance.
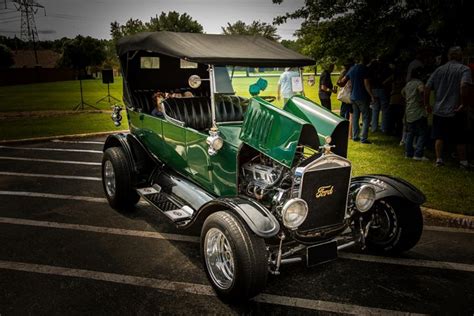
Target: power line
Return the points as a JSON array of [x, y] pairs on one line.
[[27, 9]]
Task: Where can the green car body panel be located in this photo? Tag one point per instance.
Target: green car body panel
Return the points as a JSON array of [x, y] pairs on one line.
[[266, 128], [322, 119]]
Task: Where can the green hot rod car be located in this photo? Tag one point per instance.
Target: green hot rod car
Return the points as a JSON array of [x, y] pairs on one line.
[[263, 186]]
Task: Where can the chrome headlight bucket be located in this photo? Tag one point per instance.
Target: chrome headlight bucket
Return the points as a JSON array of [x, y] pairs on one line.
[[294, 213], [365, 198]]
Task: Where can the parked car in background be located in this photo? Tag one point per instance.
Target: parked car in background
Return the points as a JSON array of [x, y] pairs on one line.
[[263, 186]]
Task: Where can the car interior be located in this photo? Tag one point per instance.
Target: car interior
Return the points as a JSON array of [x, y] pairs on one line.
[[154, 72]]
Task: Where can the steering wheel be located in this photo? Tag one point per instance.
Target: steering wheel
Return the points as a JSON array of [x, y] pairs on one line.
[[268, 98]]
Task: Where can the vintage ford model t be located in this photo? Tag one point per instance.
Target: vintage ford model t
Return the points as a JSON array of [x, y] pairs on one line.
[[263, 186]]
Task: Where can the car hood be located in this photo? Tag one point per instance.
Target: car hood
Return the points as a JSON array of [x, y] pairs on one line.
[[277, 133]]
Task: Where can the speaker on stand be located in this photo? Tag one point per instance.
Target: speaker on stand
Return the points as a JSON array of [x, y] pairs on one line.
[[107, 78]]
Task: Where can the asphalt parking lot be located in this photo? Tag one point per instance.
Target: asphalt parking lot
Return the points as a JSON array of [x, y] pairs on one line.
[[65, 251]]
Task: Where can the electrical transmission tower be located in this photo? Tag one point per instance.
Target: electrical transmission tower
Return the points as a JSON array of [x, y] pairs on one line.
[[28, 9]]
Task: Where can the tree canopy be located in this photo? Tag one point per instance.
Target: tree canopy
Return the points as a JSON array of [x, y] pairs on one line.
[[6, 57], [171, 21], [82, 52], [255, 28], [344, 28]]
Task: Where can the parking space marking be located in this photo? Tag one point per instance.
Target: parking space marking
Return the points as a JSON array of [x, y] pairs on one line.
[[175, 237], [448, 229], [98, 229], [76, 142], [52, 160], [193, 288], [54, 149], [54, 196], [55, 176], [409, 262]]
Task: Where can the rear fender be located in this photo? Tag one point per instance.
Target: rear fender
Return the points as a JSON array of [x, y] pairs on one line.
[[257, 217], [387, 186]]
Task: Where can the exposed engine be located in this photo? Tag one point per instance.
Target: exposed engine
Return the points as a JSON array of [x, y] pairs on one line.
[[264, 179]]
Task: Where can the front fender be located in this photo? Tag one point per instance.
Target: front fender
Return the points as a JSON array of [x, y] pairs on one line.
[[386, 186], [257, 217]]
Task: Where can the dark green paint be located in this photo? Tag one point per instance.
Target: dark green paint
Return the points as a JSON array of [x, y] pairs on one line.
[[323, 120], [272, 131]]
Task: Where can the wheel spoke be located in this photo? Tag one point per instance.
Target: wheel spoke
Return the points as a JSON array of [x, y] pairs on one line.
[[219, 258]]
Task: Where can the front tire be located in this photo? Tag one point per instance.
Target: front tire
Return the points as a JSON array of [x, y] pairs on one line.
[[234, 258], [397, 226], [117, 180]]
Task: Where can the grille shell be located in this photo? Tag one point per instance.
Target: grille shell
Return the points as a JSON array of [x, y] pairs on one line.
[[330, 176]]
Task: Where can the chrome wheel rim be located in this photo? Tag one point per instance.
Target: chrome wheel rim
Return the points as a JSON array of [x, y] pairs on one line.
[[219, 258], [109, 177]]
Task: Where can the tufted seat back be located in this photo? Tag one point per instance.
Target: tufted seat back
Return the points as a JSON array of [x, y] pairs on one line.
[[195, 112]]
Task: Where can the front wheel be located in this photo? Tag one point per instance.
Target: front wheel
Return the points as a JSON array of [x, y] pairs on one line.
[[397, 226], [234, 258]]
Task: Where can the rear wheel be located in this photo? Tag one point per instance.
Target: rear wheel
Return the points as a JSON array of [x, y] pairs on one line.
[[117, 180], [234, 258], [397, 226]]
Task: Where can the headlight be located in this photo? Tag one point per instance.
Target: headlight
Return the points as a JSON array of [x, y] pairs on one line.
[[294, 213], [365, 198], [214, 141]]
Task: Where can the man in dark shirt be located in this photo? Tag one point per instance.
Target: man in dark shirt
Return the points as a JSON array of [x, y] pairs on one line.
[[360, 96], [326, 87]]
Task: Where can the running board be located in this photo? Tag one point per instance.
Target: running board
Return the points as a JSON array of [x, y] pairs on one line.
[[166, 204]]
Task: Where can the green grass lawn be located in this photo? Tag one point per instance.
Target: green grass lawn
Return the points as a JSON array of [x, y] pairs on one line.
[[58, 96], [446, 188], [79, 123]]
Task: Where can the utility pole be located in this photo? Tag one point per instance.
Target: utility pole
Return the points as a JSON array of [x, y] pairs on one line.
[[28, 9]]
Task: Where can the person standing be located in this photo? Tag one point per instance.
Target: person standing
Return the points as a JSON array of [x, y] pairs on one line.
[[326, 87], [449, 81], [415, 116], [360, 96], [346, 108], [285, 88], [378, 73]]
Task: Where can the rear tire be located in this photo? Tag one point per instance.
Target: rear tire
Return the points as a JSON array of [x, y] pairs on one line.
[[117, 180], [397, 227], [238, 269]]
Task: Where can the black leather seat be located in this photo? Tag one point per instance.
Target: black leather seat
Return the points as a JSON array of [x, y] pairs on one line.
[[196, 112]]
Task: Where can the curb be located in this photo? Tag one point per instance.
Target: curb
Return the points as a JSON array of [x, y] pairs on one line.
[[35, 139], [442, 218]]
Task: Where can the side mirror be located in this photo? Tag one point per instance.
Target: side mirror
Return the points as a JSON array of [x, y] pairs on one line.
[[194, 81]]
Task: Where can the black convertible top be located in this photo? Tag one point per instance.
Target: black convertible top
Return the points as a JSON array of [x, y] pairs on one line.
[[238, 50]]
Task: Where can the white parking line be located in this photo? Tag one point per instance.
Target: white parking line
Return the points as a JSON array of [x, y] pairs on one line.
[[98, 229], [55, 149], [448, 229], [54, 196], [409, 262], [55, 176], [76, 141], [86, 163], [176, 237], [192, 288]]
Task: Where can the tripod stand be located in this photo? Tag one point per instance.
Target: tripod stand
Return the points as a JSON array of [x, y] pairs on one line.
[[81, 104], [108, 97]]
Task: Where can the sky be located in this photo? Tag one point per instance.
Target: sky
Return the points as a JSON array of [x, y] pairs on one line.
[[68, 18]]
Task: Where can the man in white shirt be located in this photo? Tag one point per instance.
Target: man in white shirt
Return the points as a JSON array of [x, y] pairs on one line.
[[284, 84]]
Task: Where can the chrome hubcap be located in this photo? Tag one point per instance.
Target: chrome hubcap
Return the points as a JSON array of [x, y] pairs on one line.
[[109, 178], [219, 258]]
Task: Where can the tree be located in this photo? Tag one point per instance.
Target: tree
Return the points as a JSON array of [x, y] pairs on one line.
[[392, 27], [171, 21], [255, 28], [6, 57], [174, 22], [82, 52]]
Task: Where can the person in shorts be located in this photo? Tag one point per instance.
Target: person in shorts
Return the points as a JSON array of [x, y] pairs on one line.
[[449, 81]]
